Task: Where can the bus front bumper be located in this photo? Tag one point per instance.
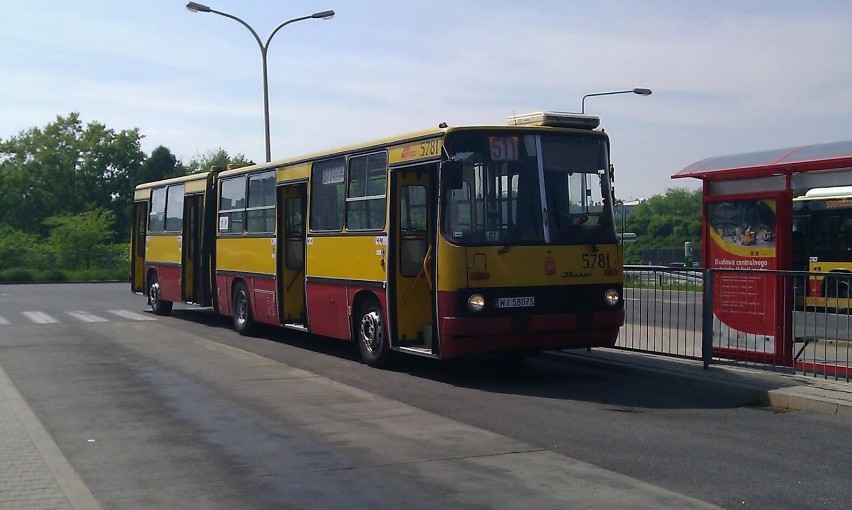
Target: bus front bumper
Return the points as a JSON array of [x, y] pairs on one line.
[[460, 335]]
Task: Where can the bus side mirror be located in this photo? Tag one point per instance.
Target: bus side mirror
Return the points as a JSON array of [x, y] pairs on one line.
[[451, 174]]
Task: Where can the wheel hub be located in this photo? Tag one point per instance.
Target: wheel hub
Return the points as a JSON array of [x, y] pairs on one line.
[[371, 331], [154, 293]]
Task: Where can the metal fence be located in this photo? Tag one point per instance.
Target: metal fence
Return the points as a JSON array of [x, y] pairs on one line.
[[743, 316]]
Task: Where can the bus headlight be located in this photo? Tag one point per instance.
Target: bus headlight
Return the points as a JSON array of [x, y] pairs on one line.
[[476, 303], [611, 297]]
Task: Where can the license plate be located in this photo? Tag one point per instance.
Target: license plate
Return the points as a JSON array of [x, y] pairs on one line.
[[515, 302]]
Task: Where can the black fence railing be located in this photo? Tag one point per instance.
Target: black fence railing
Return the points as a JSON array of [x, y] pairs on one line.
[[789, 321]]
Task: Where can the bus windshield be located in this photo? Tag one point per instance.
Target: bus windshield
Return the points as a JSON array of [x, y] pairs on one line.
[[523, 188]]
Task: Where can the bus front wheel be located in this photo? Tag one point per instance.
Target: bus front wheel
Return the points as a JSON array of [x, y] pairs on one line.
[[837, 287], [371, 334], [155, 298], [241, 310]]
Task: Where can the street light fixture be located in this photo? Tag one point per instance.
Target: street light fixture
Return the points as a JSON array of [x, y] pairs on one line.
[[196, 7], [641, 92]]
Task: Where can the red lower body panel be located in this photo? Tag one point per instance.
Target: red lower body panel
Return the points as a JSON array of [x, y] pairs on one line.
[[463, 335], [170, 282], [329, 306], [264, 306]]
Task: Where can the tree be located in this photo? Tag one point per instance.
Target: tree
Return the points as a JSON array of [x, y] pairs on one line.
[[665, 221], [81, 241], [203, 162], [66, 169], [37, 174], [161, 164]]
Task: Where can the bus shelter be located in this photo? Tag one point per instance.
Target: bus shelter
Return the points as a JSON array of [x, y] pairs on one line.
[[747, 238]]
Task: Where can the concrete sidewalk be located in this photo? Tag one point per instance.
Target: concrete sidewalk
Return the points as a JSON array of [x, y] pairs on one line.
[[787, 391], [34, 474]]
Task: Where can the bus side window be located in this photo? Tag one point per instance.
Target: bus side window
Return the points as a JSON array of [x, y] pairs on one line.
[[327, 195], [157, 216], [366, 197], [324, 213]]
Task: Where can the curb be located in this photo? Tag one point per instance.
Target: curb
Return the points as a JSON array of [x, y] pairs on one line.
[[788, 393]]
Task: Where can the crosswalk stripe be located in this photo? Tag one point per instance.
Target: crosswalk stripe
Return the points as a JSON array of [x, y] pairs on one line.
[[86, 316], [43, 318], [40, 318], [126, 314]]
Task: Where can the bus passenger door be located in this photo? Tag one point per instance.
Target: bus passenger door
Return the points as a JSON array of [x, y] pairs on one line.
[[137, 251], [292, 204], [410, 278], [191, 249]]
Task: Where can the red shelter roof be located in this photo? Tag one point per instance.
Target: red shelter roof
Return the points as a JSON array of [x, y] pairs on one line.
[[807, 158]]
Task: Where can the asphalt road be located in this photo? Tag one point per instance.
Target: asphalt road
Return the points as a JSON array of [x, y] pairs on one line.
[[160, 412]]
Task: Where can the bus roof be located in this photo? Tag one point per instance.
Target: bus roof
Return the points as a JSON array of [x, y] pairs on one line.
[[409, 137], [174, 180], [539, 121], [425, 134], [832, 192]]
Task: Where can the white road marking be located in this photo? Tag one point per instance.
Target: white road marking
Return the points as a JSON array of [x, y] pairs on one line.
[[126, 314], [40, 318], [86, 317]]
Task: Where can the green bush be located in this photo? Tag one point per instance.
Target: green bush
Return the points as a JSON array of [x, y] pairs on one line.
[[113, 265], [20, 249], [52, 275], [17, 274], [79, 241]]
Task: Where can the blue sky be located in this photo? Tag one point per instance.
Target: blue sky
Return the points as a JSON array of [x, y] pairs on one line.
[[727, 76]]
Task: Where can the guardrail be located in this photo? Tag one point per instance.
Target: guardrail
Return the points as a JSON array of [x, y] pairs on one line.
[[755, 317], [663, 308]]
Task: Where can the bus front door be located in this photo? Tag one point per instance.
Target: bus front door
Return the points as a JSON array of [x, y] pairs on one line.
[[410, 278], [291, 255], [137, 255]]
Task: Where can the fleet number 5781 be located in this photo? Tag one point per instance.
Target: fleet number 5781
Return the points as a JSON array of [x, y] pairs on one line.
[[596, 260]]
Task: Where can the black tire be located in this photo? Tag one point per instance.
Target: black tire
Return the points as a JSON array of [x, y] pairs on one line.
[[371, 334], [241, 310], [837, 287], [158, 305]]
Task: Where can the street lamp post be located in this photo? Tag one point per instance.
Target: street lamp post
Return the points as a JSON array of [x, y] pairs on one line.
[[196, 7], [641, 92]]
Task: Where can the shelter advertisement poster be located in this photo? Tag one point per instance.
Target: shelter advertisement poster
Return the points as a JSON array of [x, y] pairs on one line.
[[741, 236]]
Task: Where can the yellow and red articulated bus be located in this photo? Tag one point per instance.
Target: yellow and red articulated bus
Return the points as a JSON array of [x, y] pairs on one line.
[[822, 238], [440, 243]]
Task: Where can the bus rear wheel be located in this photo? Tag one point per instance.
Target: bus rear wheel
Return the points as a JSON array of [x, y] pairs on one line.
[[155, 299], [241, 310], [371, 334]]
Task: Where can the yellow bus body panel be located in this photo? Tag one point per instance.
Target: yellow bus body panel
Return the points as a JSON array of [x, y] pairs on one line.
[[142, 194], [293, 173], [415, 151], [821, 302], [246, 254], [528, 266], [352, 257], [196, 186], [164, 249]]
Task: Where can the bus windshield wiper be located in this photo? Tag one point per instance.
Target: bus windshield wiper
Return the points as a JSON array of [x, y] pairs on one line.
[[517, 231], [575, 231]]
